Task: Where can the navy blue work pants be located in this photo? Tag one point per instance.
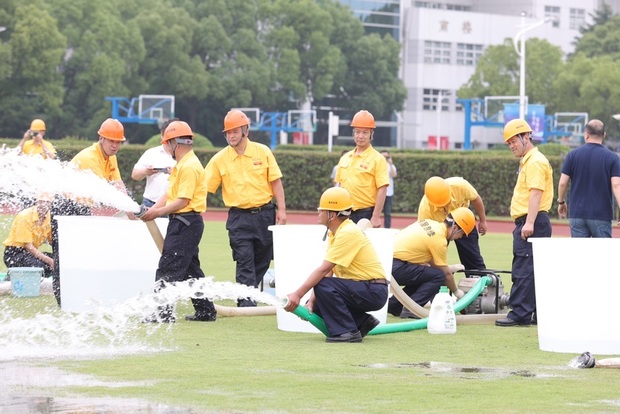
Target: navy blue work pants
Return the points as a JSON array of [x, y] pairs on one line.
[[179, 259], [343, 303], [251, 242], [420, 283], [523, 293], [469, 251]]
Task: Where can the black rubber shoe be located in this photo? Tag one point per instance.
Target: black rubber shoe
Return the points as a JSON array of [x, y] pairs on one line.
[[510, 322], [586, 360], [354, 336], [201, 317], [368, 325]]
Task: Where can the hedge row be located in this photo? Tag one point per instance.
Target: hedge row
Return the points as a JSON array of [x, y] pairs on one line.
[[307, 175]]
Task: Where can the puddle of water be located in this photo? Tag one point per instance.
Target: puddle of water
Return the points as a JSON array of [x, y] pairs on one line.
[[443, 368]]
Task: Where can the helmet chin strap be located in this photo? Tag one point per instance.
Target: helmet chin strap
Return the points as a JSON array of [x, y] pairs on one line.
[[329, 219]]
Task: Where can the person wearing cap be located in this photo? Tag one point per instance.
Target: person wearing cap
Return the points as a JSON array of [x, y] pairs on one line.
[[250, 178], [441, 196], [350, 281], [33, 142], [100, 159], [420, 261], [363, 171], [31, 229], [531, 200], [184, 202], [155, 165]]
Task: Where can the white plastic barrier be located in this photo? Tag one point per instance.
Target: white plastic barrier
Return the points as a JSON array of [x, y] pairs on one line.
[[577, 287], [105, 260], [299, 249]]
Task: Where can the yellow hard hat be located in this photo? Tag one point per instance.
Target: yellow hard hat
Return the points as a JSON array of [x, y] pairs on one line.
[[515, 127], [464, 218], [437, 191], [335, 199], [37, 125]]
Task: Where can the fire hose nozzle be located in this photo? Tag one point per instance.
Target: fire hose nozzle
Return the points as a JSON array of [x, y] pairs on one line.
[[143, 209]]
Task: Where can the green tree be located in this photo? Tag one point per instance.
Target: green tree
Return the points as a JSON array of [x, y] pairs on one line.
[[497, 72], [602, 39], [30, 85]]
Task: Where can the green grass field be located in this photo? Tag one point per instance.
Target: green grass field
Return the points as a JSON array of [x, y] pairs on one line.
[[247, 365]]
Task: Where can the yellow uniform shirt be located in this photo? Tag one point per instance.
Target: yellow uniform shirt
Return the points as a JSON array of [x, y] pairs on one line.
[[424, 241], [31, 148], [25, 229], [187, 180], [92, 158], [362, 175], [534, 172], [461, 194], [353, 254], [245, 179]]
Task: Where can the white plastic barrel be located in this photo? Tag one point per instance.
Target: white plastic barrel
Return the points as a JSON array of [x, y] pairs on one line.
[[105, 260], [299, 249], [577, 287]]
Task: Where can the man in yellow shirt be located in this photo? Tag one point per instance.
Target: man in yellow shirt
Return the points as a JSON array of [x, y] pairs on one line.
[[31, 228], [250, 179], [531, 200], [350, 282], [184, 202], [364, 172], [420, 261], [33, 143], [441, 196]]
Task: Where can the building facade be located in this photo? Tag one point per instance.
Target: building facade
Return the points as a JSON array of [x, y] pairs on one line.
[[441, 44]]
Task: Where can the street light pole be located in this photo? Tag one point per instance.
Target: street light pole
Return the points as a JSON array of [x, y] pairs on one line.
[[520, 49]]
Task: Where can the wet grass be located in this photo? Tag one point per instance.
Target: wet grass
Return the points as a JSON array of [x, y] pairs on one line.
[[245, 364]]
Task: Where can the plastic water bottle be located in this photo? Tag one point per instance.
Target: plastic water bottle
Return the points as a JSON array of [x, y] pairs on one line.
[[441, 319]]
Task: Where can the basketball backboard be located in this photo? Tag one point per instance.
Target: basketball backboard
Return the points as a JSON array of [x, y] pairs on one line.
[[303, 120], [252, 113], [156, 107]]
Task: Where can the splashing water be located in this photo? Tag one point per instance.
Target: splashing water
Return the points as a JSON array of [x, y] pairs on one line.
[[107, 331], [29, 176]]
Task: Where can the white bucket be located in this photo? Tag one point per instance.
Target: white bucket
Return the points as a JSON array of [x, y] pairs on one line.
[[299, 249], [105, 260], [577, 287]]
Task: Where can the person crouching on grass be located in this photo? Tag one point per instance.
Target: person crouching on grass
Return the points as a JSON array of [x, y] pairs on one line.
[[350, 282]]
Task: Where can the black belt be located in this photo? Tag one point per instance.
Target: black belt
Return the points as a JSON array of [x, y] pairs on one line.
[[181, 216], [377, 281], [254, 210], [363, 210], [520, 220]]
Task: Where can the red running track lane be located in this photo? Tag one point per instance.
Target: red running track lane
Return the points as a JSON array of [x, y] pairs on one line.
[[400, 222]]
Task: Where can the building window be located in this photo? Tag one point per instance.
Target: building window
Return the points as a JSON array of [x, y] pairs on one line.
[[577, 18], [437, 52], [553, 13], [431, 97], [468, 54]]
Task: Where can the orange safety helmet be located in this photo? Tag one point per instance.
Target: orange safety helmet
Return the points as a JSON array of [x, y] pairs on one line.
[[112, 129], [235, 119], [515, 127], [437, 191], [37, 125], [363, 119], [464, 218], [177, 129]]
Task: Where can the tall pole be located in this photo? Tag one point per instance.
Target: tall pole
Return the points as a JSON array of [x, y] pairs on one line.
[[519, 43]]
